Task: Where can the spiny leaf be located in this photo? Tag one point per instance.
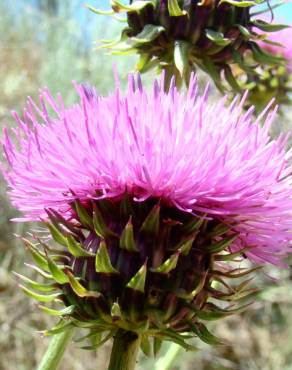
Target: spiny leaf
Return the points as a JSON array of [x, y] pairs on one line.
[[177, 338], [169, 264], [99, 11], [240, 3], [262, 57], [78, 288], [83, 215], [194, 224], [203, 333], [217, 38], [186, 246], [102, 260], [269, 27], [76, 249], [134, 7], [149, 33], [236, 273], [231, 256], [212, 312], [61, 327], [231, 79], [57, 235], [127, 240], [221, 245], [40, 297], [40, 271], [64, 312], [35, 285], [151, 223], [57, 272], [39, 258], [100, 226], [138, 281], [219, 230], [99, 344], [56, 218]]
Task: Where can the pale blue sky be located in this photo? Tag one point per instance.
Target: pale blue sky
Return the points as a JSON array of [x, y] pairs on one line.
[[284, 12]]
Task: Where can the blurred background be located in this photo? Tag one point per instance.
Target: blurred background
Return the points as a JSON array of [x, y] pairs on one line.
[[50, 43]]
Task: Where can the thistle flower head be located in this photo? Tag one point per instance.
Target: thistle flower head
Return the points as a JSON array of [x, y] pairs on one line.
[[179, 148], [149, 195], [180, 35]]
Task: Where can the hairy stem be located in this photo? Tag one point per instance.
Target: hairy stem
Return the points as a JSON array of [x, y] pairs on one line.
[[125, 350], [56, 349]]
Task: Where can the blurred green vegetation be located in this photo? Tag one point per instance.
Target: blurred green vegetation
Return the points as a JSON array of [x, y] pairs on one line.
[[48, 45]]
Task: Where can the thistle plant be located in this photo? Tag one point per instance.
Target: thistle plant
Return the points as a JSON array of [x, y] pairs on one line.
[[149, 204], [178, 36]]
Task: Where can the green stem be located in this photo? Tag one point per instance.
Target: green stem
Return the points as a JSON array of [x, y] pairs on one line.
[[165, 362], [56, 349], [125, 350]]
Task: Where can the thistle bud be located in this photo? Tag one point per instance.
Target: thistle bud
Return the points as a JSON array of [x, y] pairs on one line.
[[178, 36]]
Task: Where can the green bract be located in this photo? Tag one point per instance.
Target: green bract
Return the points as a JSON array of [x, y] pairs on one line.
[[142, 267]]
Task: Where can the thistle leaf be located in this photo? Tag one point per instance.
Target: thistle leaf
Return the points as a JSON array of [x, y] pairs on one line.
[[35, 285], [221, 245], [62, 326], [57, 272], [240, 3], [83, 215], [78, 288], [99, 11], [39, 258], [64, 312], [57, 235], [203, 333], [169, 264], [40, 297], [76, 249], [149, 33], [102, 260], [100, 226], [187, 245], [217, 38], [134, 7], [269, 27]]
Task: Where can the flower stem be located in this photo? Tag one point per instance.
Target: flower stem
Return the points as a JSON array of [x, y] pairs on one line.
[[165, 362], [125, 350], [56, 349]]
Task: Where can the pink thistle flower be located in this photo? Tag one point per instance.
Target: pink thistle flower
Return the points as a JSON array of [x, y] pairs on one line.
[[198, 156]]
